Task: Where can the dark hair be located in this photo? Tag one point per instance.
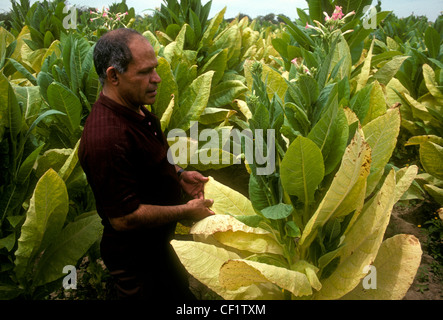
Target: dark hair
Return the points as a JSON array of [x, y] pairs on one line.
[[112, 50]]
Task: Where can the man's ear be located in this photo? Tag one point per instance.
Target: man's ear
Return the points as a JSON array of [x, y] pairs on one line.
[[112, 76]]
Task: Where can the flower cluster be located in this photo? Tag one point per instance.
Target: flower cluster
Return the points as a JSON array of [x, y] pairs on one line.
[[109, 20], [331, 23], [302, 68]]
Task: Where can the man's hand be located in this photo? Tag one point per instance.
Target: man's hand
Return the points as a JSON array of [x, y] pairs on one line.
[[193, 183], [198, 209]]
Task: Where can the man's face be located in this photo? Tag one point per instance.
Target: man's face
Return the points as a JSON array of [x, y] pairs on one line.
[[138, 85]]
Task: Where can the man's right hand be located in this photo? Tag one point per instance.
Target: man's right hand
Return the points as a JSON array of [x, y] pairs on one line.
[[198, 209]]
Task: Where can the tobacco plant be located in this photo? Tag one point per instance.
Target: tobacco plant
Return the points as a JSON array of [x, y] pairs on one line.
[[312, 229]]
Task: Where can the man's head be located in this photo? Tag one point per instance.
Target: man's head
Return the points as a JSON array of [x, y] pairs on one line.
[[125, 63]]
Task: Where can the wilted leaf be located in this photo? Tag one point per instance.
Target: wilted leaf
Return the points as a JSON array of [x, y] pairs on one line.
[[404, 178], [396, 265], [362, 242], [204, 261], [232, 233], [235, 274], [347, 188], [381, 134], [227, 200]]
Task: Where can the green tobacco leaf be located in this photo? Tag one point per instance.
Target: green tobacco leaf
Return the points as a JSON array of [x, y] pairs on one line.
[[359, 103], [381, 134], [20, 68], [315, 10], [32, 101], [258, 192], [192, 102], [45, 217], [67, 248], [278, 211], [204, 261], [235, 274], [388, 71], [330, 134], [64, 100], [432, 41], [27, 165], [362, 242], [227, 200], [396, 265], [308, 89], [346, 191], [216, 63], [302, 169], [225, 93]]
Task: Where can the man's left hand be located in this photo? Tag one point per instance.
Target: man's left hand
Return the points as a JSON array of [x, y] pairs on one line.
[[193, 183]]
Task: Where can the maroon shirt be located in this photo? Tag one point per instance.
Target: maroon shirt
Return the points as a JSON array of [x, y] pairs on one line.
[[124, 156]]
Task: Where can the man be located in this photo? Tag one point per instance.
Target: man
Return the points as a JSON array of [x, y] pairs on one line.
[[137, 191]]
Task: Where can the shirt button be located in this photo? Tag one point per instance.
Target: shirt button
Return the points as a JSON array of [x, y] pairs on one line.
[[149, 123], [155, 133]]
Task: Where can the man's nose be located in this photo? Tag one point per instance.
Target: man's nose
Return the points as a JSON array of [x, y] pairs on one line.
[[155, 77]]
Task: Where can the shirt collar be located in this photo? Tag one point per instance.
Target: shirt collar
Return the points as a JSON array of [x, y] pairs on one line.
[[125, 111]]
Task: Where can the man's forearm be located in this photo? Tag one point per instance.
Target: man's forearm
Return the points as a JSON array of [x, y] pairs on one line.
[[149, 216]]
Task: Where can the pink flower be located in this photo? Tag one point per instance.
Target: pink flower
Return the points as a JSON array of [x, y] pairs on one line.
[[338, 13], [105, 14]]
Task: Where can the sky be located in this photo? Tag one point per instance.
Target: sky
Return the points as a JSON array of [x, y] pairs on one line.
[[254, 8]]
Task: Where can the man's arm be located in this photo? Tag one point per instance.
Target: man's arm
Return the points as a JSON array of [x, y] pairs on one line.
[[151, 216]]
